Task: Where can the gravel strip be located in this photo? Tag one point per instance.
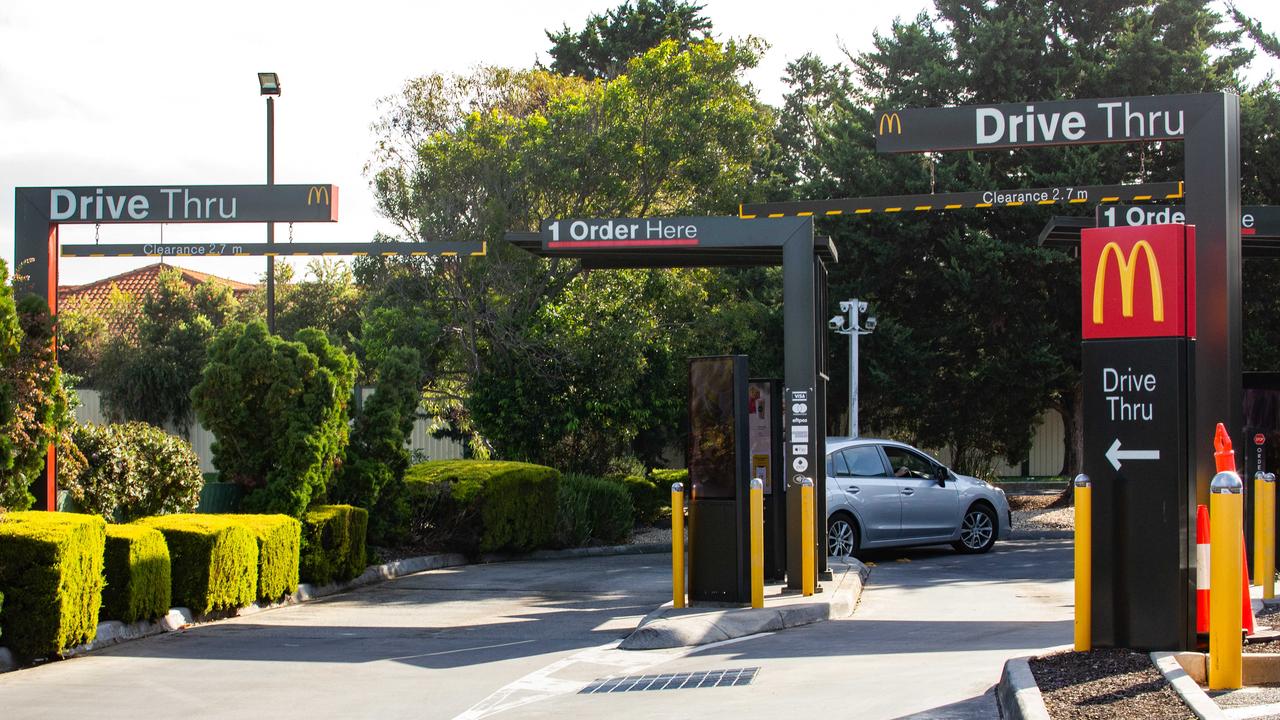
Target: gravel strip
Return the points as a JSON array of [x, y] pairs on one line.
[[1105, 684], [1034, 512]]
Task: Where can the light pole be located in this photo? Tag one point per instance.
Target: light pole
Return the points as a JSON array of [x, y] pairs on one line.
[[269, 86], [853, 329]]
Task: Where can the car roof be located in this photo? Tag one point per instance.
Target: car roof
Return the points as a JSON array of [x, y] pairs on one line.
[[840, 442]]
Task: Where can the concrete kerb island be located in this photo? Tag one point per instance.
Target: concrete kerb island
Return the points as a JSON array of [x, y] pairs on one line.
[[669, 627]]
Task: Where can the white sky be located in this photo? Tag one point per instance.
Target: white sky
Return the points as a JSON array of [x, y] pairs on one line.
[[151, 93]]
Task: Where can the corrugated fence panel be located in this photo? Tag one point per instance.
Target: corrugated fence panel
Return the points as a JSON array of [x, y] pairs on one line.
[[1047, 450], [420, 441], [90, 408]]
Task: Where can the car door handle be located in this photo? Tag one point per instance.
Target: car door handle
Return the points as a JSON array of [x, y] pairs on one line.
[[908, 491], [854, 488]]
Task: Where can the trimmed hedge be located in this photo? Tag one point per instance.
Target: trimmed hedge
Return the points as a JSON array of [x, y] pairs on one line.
[[139, 580], [51, 577], [214, 560], [592, 508], [333, 543], [647, 497], [279, 552], [484, 505]]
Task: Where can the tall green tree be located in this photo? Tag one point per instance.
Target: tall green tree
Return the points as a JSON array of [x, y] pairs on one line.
[[35, 404], [372, 476], [148, 375], [602, 48], [279, 411], [979, 326], [543, 345]]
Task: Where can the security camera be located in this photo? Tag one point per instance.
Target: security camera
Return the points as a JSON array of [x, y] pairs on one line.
[[871, 323], [862, 306], [845, 306], [837, 322]]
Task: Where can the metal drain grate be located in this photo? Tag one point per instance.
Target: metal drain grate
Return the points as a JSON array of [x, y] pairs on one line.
[[673, 681]]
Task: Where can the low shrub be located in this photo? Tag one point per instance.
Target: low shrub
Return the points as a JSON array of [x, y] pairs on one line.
[[592, 508], [139, 580], [663, 479], [484, 505], [333, 543], [214, 561], [647, 497], [134, 470], [51, 577], [279, 552]]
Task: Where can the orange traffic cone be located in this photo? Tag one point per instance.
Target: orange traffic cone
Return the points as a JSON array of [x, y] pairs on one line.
[[1246, 611], [1202, 570]]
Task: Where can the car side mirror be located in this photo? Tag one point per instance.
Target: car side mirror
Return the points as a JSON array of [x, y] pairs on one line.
[[940, 473]]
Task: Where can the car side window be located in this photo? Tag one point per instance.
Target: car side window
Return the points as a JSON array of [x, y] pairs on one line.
[[908, 464], [842, 468], [864, 461]]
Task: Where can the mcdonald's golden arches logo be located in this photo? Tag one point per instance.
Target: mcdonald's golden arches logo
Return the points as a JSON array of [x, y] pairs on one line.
[[1128, 268], [319, 195], [890, 122], [1154, 261]]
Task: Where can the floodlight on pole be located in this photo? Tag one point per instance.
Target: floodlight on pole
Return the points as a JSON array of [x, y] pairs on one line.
[[268, 83], [269, 86], [853, 329]]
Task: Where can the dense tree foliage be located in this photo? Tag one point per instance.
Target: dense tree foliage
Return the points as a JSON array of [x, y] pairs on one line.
[[35, 405], [147, 375], [602, 48], [372, 476], [979, 325], [550, 363], [279, 411]]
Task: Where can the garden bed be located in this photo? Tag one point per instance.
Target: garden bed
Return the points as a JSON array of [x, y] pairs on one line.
[[1108, 683]]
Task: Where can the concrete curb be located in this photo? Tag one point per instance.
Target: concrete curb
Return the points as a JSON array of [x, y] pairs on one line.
[[1200, 704], [112, 632], [668, 627], [1041, 535], [1018, 695], [601, 551]]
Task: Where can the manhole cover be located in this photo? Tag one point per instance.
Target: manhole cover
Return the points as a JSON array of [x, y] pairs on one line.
[[673, 681]]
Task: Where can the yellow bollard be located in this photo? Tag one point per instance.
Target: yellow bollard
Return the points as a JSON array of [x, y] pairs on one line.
[[807, 563], [1268, 576], [677, 545], [1259, 527], [1226, 517], [757, 543], [1084, 563]]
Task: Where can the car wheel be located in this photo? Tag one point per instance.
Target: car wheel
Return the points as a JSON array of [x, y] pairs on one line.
[[977, 530], [842, 536]]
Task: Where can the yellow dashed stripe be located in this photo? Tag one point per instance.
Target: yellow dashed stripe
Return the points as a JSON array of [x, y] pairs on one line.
[[1014, 203], [952, 207], [924, 207], [835, 212]]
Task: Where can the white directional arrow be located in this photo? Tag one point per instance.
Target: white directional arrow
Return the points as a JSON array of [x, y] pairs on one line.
[[1115, 454]]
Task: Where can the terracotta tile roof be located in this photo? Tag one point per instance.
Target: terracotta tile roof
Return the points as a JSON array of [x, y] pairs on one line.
[[140, 284]]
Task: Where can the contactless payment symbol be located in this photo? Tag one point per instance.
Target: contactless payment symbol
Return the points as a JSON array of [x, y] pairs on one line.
[[800, 464]]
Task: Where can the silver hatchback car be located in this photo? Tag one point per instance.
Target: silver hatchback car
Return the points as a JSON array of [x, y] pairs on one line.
[[882, 493]]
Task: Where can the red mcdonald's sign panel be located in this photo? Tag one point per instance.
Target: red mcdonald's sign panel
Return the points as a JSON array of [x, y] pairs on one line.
[[1138, 282]]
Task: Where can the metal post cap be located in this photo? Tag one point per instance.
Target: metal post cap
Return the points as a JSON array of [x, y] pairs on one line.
[[806, 481], [1226, 482], [1271, 477], [677, 487], [757, 484], [1082, 480], [1260, 475]]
